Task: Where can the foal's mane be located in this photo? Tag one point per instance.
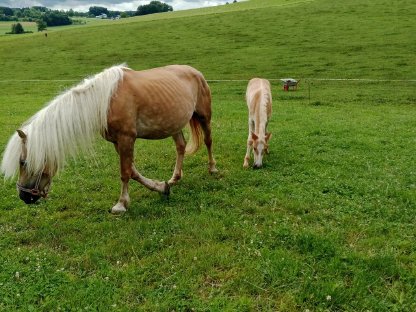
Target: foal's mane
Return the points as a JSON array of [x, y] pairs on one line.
[[67, 124]]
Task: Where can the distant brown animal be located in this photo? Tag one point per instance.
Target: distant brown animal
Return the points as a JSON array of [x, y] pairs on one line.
[[259, 102], [122, 105]]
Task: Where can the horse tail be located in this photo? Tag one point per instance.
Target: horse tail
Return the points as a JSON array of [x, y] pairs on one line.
[[196, 135]]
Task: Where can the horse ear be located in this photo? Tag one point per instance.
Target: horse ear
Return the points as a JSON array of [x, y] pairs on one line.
[[21, 134], [254, 136], [268, 136]]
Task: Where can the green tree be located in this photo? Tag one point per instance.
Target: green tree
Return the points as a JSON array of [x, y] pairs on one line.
[[96, 10], [153, 7], [56, 18], [41, 25], [6, 11], [6, 14]]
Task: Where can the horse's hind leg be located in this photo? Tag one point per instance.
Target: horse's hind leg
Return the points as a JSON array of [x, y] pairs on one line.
[[180, 152], [206, 127]]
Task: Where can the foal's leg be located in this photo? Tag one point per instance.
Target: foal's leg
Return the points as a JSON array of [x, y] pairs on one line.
[[206, 127], [247, 156], [180, 152], [124, 147], [249, 144]]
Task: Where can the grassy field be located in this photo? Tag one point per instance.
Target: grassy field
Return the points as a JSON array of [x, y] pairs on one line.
[[7, 26], [235, 7], [31, 26], [326, 225]]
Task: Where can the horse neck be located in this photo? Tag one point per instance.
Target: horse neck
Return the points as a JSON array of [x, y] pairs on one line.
[[71, 122]]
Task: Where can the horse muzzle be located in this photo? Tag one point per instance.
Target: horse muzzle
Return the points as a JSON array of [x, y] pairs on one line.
[[257, 166], [31, 196], [28, 198]]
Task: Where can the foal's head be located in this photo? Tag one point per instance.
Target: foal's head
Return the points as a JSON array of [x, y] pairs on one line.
[[31, 186], [260, 146]]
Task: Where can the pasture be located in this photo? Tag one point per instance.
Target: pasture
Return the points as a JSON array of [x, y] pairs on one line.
[[327, 224], [27, 26]]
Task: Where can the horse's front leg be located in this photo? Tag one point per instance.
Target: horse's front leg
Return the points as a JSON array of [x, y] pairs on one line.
[[249, 143], [125, 149], [247, 156], [180, 152]]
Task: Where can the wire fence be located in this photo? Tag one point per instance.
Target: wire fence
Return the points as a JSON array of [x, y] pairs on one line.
[[313, 90], [240, 80]]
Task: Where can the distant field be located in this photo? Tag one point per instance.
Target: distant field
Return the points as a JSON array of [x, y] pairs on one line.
[[327, 225], [27, 26], [31, 26], [226, 8], [233, 7]]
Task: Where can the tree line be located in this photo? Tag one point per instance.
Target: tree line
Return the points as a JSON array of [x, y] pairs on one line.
[[60, 17]]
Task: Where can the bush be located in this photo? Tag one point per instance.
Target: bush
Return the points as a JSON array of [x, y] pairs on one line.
[[17, 29]]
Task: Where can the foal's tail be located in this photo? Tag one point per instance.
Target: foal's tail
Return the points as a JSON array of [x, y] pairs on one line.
[[196, 137]]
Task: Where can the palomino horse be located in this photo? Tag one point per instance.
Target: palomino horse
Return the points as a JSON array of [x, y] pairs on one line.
[[121, 104], [259, 102]]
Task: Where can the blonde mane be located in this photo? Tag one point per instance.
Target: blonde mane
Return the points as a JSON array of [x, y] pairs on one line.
[[66, 125]]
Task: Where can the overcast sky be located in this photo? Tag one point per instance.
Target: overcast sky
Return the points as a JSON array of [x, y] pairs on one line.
[[113, 5]]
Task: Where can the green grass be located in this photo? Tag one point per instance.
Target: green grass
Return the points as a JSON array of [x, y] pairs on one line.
[[327, 224]]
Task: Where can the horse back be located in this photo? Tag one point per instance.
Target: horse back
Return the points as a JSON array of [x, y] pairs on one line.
[[156, 103], [259, 97]]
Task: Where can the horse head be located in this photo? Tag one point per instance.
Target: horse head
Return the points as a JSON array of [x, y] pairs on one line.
[[260, 146], [31, 186]]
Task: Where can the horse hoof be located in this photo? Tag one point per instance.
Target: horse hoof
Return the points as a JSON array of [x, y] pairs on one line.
[[166, 191], [118, 209]]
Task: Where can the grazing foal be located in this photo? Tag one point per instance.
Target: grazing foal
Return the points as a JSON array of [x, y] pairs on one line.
[[259, 102]]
